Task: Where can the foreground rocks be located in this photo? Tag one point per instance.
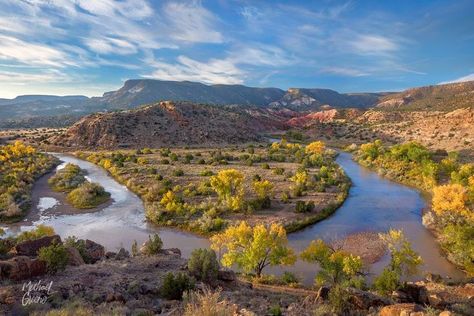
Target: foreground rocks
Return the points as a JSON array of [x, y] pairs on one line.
[[31, 247], [123, 285]]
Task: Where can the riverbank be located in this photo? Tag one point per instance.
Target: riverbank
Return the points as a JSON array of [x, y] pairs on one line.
[[414, 165], [20, 167]]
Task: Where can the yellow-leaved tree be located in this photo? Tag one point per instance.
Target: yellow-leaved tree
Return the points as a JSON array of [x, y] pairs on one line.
[[228, 184], [253, 248], [263, 188], [317, 148], [450, 201]]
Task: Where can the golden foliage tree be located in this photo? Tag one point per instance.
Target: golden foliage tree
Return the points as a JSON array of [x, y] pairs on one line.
[[317, 148], [450, 200], [228, 184], [253, 248], [263, 188]]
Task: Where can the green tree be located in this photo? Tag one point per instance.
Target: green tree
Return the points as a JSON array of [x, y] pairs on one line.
[[404, 261], [337, 266]]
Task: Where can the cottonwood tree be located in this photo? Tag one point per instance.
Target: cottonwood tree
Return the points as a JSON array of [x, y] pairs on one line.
[[253, 248], [228, 184], [450, 201], [317, 148], [337, 266]]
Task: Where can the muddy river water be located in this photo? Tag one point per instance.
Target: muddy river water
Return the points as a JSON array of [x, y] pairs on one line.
[[373, 204]]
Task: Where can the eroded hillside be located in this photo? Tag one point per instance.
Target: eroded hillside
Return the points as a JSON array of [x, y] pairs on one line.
[[164, 124]]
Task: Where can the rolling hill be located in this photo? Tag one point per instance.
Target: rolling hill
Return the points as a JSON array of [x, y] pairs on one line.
[[446, 97], [165, 124]]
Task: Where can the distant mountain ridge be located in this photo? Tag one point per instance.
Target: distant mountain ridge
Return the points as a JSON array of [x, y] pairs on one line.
[[146, 91], [138, 92]]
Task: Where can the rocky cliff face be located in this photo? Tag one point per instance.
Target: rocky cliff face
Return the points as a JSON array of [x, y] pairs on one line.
[[165, 124], [311, 99]]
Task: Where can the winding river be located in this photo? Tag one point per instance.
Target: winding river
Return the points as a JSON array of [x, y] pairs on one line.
[[373, 204]]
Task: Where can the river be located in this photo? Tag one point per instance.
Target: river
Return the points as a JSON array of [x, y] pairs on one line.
[[373, 204]]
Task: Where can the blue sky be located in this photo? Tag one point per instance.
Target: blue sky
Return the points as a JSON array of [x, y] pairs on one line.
[[89, 47]]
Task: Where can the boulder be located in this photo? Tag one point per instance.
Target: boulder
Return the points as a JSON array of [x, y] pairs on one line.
[[364, 300], [122, 254], [94, 251], [406, 309], [74, 257], [110, 254], [412, 293], [172, 251], [31, 247], [22, 267], [226, 275], [433, 277], [7, 295]]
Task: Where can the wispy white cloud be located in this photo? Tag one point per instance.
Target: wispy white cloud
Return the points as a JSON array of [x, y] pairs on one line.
[[14, 49], [373, 45], [109, 45], [214, 71], [342, 71], [239, 63], [191, 22], [469, 77]]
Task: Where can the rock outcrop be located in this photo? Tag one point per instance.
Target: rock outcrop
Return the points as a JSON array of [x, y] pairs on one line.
[[31, 247]]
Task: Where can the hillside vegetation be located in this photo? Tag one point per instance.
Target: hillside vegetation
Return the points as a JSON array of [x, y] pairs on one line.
[[20, 166]]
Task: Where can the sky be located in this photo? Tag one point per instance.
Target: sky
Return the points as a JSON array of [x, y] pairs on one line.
[[88, 47]]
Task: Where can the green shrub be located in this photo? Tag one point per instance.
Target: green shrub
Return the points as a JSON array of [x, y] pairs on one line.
[[88, 195], [275, 311], [67, 178], [289, 278], [165, 162], [206, 173], [55, 256], [278, 171], [285, 197], [135, 251], [339, 299], [387, 282], [174, 285], [178, 173], [40, 231], [303, 207], [203, 265], [265, 166], [173, 157], [80, 245], [153, 245]]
